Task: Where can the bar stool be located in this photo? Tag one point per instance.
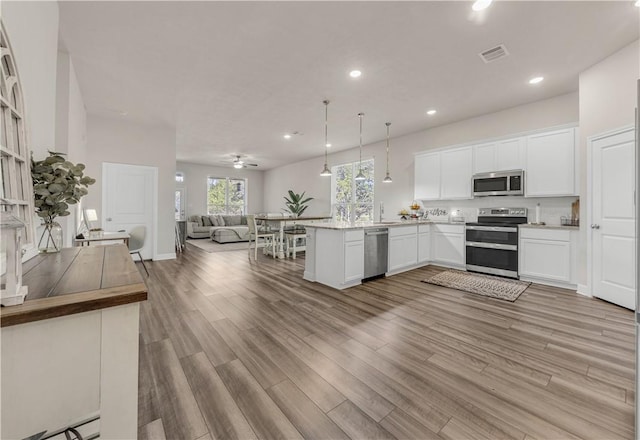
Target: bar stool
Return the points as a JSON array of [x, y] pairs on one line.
[[291, 237]]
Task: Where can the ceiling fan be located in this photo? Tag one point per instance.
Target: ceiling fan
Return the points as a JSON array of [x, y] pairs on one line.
[[239, 163]]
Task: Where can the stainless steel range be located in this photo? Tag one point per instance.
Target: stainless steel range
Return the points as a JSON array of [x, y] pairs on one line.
[[492, 242]]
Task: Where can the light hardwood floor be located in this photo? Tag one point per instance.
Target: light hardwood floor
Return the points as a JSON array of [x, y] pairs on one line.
[[233, 349]]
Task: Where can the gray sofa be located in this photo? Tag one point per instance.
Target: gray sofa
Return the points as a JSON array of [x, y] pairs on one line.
[[219, 228]]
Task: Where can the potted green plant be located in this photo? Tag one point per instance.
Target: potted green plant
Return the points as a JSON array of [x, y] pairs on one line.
[[296, 203], [57, 183]]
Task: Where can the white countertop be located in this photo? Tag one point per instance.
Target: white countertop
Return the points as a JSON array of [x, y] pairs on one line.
[[383, 224], [535, 226]]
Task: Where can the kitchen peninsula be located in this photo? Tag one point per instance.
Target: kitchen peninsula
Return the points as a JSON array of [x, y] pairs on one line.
[[70, 352], [335, 254]]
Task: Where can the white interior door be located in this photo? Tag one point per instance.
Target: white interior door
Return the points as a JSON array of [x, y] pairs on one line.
[[613, 218], [128, 198]]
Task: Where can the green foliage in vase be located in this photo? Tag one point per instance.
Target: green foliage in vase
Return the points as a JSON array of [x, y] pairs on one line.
[[57, 183], [296, 203]]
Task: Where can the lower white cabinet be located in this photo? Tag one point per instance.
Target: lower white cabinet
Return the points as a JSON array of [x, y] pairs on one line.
[[424, 243], [338, 257], [447, 245], [403, 247], [353, 260], [547, 256]]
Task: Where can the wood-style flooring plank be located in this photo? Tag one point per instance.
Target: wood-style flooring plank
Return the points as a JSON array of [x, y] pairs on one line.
[[223, 417], [357, 424], [152, 431], [303, 413], [264, 416]]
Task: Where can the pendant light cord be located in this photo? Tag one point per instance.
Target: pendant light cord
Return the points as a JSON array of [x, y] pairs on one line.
[[388, 124], [360, 115]]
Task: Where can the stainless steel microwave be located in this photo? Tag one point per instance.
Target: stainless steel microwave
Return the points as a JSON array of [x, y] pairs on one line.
[[500, 183]]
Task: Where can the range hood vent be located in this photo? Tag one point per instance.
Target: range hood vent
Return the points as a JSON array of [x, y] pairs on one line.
[[495, 53]]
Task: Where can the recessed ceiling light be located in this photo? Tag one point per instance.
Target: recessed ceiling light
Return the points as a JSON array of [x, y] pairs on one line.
[[327, 145], [287, 136], [479, 5], [355, 73], [536, 80], [431, 112]]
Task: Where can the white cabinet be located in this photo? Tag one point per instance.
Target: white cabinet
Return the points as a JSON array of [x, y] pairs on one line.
[[338, 259], [310, 255], [424, 243], [403, 248], [427, 176], [456, 173], [550, 170], [444, 175], [502, 155], [353, 256], [547, 256], [448, 247]]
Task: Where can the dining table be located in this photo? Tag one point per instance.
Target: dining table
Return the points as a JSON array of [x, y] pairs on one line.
[[282, 221]]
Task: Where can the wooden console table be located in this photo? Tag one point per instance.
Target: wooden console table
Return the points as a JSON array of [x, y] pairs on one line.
[[71, 350]]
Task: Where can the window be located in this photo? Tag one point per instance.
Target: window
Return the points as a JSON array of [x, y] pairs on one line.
[[16, 191], [179, 177], [352, 199], [226, 195]]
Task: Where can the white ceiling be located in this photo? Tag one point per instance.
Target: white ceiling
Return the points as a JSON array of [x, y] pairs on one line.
[[233, 77]]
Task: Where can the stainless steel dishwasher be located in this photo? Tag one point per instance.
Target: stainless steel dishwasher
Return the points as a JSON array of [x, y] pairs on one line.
[[376, 245]]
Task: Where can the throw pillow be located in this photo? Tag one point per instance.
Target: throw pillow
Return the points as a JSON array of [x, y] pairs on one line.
[[214, 220], [221, 221], [232, 220], [206, 221]]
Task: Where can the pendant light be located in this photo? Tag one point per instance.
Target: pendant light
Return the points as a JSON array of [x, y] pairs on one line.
[[388, 178], [360, 175], [325, 171]]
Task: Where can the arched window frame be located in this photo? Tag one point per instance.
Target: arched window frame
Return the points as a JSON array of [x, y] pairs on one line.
[[16, 192]]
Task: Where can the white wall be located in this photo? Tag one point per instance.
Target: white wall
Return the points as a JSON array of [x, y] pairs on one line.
[[118, 140], [71, 130], [305, 176], [607, 101], [195, 185]]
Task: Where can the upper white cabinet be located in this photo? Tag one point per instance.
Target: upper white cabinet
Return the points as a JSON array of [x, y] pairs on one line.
[[548, 159], [444, 175], [427, 176], [457, 170], [503, 155], [550, 170]]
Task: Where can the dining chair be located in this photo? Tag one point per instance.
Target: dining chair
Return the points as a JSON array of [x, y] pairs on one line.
[[267, 237], [137, 237]]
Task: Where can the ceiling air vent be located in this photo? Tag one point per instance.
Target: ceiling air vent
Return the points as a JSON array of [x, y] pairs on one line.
[[494, 53]]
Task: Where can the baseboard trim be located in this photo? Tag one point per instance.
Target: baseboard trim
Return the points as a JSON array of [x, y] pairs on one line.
[[168, 256], [584, 290]]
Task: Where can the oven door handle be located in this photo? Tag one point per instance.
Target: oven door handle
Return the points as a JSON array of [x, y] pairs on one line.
[[505, 247], [492, 228]]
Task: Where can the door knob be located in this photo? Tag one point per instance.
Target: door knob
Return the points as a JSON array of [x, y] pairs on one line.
[[595, 226], [109, 219]]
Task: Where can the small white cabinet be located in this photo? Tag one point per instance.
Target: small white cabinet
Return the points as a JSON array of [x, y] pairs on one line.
[[456, 173], [338, 259], [448, 247], [547, 255], [502, 155], [403, 248], [424, 243], [427, 176], [550, 168]]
